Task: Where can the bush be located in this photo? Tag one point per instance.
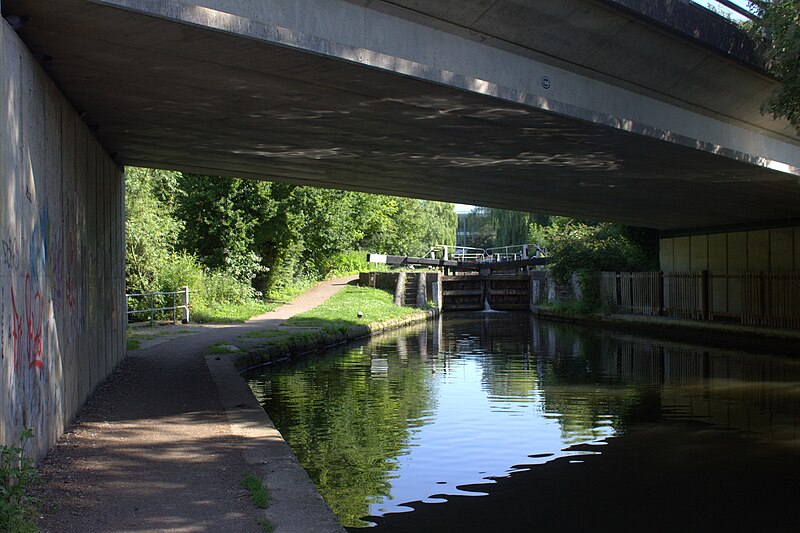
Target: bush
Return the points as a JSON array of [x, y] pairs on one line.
[[579, 247], [220, 287], [17, 510]]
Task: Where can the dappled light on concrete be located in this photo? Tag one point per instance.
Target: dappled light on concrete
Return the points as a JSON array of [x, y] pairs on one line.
[[167, 439], [431, 102]]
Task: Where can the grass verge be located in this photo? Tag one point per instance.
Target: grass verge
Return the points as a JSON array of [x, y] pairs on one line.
[[222, 347], [228, 313], [330, 323], [341, 310]]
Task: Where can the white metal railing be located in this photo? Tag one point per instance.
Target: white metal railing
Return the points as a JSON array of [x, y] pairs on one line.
[[515, 251], [184, 306], [456, 253], [497, 253]]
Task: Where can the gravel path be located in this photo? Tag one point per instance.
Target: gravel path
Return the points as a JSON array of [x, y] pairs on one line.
[[158, 447]]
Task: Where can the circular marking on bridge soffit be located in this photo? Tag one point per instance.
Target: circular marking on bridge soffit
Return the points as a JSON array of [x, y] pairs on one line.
[[545, 81]]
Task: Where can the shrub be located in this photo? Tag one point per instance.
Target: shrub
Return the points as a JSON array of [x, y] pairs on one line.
[[17, 472], [575, 246]]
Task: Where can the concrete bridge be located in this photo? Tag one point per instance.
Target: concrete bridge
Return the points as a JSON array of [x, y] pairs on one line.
[[634, 111]]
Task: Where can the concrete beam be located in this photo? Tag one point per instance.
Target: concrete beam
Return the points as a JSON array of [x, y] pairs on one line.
[[442, 102]]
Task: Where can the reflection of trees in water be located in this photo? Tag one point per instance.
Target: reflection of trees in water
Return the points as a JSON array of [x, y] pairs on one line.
[[575, 391], [346, 423], [610, 378], [350, 417], [593, 381]]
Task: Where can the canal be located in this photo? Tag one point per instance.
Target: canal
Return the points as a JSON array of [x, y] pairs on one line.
[[502, 422]]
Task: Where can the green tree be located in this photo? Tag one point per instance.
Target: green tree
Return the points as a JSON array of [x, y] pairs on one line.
[[441, 221], [512, 226], [326, 225], [778, 28], [151, 232], [576, 246], [269, 235], [220, 216]]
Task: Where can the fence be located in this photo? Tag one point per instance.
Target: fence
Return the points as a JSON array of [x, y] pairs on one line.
[[761, 299], [676, 294], [151, 296], [771, 299], [686, 294], [516, 251], [633, 292]]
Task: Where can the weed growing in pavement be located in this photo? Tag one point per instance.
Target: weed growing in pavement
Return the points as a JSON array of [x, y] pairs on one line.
[[259, 494], [260, 497], [17, 472]]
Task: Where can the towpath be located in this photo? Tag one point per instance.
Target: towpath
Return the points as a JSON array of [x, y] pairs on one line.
[[163, 445]]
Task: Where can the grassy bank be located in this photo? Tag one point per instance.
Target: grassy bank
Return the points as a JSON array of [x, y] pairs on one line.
[[342, 310], [336, 320]]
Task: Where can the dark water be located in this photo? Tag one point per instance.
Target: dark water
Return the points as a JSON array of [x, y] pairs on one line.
[[500, 422]]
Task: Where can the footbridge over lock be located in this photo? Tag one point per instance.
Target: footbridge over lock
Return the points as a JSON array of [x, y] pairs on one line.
[[640, 112]]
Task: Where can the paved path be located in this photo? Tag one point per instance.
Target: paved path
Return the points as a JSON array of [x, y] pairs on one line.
[[164, 443]]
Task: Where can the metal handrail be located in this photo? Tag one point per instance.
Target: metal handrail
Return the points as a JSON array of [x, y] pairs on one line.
[[516, 251], [513, 251], [184, 292]]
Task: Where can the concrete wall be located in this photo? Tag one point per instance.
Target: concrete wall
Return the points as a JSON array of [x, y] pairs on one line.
[[61, 254], [763, 250]]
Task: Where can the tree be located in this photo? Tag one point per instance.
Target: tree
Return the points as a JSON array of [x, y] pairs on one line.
[[151, 232], [220, 216], [576, 246], [266, 235], [440, 223], [512, 226], [778, 27]]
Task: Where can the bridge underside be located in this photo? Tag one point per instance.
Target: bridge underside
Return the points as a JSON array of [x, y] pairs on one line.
[[165, 94]]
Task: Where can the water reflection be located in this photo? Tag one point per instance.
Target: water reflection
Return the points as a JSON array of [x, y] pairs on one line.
[[448, 411]]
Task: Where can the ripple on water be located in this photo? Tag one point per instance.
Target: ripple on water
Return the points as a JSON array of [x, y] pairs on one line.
[[407, 421]]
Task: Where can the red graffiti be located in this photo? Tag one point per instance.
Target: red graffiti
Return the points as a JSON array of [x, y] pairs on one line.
[[27, 334]]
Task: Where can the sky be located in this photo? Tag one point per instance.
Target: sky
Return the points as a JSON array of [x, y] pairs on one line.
[[464, 208], [715, 5]]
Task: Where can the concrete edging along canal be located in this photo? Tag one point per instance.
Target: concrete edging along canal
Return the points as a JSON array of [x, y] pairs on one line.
[[296, 504], [775, 340]]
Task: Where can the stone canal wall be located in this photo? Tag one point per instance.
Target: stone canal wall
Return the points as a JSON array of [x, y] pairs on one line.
[[62, 270]]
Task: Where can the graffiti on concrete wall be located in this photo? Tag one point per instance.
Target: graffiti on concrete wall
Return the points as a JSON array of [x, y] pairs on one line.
[[10, 253], [27, 329], [51, 353]]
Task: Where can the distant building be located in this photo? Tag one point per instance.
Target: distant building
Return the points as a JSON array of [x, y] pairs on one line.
[[474, 229]]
